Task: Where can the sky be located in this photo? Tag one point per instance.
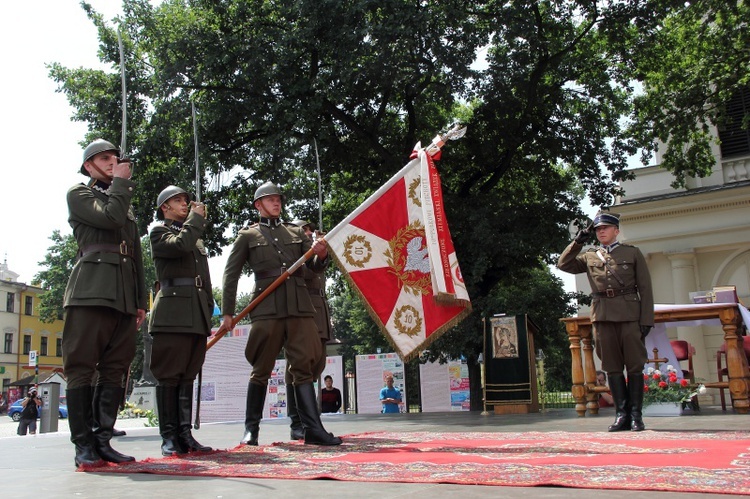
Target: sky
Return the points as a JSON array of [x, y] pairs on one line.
[[41, 154]]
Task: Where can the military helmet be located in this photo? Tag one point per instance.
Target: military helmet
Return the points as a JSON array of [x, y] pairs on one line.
[[267, 189], [97, 146], [301, 223], [168, 193]]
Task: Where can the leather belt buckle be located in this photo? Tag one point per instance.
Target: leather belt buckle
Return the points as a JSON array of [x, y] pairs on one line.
[[610, 293], [123, 248], [198, 282]]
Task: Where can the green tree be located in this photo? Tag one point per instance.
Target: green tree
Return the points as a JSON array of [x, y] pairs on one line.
[[57, 265], [552, 112]]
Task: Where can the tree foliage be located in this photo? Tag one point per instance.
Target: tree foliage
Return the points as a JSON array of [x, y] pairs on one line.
[[57, 265], [562, 95]]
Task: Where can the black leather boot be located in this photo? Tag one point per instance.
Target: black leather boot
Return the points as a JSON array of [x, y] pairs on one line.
[[166, 405], [619, 390], [118, 433], [297, 431], [105, 407], [80, 423], [635, 391], [307, 406], [185, 413], [256, 397]]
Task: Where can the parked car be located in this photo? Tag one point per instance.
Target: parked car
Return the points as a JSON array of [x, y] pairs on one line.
[[14, 411]]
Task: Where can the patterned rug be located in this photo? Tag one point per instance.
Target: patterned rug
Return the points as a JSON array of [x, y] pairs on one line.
[[686, 461]]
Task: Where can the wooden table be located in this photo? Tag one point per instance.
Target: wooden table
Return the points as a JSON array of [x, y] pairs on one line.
[[585, 391]]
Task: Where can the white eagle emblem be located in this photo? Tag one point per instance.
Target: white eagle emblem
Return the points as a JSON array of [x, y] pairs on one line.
[[417, 257]]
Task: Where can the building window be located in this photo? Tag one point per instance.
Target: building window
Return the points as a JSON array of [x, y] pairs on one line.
[[58, 347], [28, 309], [8, 343], [43, 346], [734, 137], [10, 302], [26, 344]]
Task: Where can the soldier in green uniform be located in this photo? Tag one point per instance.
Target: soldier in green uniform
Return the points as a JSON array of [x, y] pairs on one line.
[[285, 319], [622, 312], [315, 282], [180, 321], [105, 301]]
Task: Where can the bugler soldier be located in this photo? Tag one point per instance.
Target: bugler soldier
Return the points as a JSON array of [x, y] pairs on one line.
[[180, 321], [105, 301]]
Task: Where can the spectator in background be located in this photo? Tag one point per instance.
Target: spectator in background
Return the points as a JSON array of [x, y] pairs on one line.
[[30, 413], [390, 397], [605, 398], [330, 397]]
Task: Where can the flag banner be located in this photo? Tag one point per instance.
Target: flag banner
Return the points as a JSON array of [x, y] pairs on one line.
[[396, 250]]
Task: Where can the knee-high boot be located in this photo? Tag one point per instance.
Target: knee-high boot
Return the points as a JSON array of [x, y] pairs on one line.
[[619, 390], [105, 408], [307, 406], [80, 420], [635, 390], [166, 404], [185, 411], [297, 431], [256, 397]]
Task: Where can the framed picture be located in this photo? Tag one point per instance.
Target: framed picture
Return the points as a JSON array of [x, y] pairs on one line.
[[504, 338]]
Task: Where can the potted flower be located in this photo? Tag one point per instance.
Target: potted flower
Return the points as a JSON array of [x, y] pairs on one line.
[[663, 388]]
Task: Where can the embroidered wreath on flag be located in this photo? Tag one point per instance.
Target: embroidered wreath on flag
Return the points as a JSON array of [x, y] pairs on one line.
[[350, 243], [408, 311], [414, 193]]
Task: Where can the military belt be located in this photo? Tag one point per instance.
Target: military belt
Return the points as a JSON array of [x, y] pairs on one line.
[[123, 249], [267, 274], [611, 293], [316, 291], [182, 281]]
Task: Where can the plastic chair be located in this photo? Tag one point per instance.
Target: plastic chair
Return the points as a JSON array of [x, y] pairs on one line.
[[684, 351], [724, 371]]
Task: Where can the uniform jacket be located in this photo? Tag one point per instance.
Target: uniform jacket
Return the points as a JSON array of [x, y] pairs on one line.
[[629, 263], [315, 282], [180, 254], [251, 248], [106, 278]]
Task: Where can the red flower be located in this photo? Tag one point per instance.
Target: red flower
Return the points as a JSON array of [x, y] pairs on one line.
[[684, 382], [672, 378], [645, 388], [656, 376], [662, 384]]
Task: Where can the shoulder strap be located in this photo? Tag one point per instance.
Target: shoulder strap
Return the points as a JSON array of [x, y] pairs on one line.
[[609, 267], [263, 230]]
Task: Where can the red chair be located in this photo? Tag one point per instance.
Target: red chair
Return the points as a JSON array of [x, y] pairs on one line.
[[724, 371], [684, 351]]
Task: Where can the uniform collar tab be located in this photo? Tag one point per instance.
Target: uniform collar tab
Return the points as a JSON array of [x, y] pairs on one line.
[[270, 222]]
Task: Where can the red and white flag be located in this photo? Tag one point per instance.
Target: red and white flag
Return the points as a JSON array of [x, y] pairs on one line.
[[397, 251]]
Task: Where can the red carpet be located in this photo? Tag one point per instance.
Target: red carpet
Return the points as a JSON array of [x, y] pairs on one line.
[[685, 461]]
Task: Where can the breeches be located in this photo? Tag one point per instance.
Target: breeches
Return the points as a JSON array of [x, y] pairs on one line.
[[318, 368], [177, 357], [97, 340], [620, 346], [297, 335]]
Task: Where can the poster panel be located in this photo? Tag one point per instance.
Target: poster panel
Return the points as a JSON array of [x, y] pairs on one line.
[[371, 372], [445, 387]]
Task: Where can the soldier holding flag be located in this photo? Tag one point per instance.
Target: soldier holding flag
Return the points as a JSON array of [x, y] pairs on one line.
[[284, 320]]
